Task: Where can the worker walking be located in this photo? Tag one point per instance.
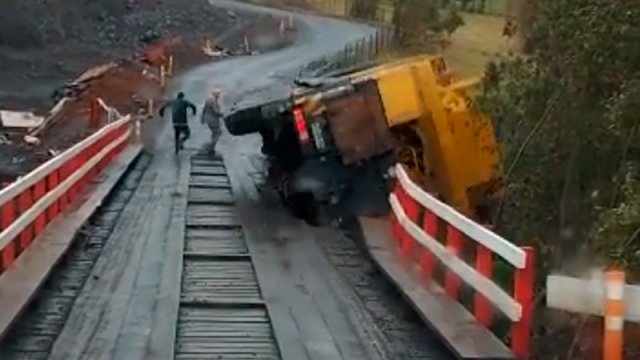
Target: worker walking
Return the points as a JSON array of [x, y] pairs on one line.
[[179, 107], [211, 115]]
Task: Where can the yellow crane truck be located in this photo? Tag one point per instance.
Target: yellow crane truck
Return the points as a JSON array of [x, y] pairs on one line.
[[334, 140]]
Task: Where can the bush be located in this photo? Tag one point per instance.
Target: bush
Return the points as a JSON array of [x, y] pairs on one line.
[[567, 114]]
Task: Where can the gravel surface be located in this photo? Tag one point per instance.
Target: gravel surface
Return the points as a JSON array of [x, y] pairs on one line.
[[401, 333], [43, 43], [98, 32]]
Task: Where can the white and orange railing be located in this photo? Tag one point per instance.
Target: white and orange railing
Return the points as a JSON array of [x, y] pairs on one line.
[[30, 203], [418, 219], [605, 294]]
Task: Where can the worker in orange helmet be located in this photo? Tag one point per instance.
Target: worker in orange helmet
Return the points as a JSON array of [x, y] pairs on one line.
[[212, 115]]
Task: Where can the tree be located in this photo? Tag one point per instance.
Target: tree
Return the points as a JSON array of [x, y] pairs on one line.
[[422, 23], [567, 113], [364, 9], [521, 13]]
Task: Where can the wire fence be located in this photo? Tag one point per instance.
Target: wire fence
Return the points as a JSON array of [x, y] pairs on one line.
[[385, 8], [354, 55]]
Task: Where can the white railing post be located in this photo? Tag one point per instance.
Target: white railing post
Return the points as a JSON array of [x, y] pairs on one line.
[[43, 193], [415, 237]]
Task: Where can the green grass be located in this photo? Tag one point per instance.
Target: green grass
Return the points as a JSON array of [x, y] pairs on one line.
[[476, 43], [496, 7], [472, 46]]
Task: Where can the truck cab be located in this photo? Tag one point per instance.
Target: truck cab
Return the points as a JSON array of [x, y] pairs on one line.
[[332, 142], [328, 148]]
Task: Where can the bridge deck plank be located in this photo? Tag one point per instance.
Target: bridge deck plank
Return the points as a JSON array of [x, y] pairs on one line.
[[309, 318], [137, 274]]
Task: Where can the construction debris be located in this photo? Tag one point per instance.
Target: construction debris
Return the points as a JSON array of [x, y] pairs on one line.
[[4, 140], [93, 73], [216, 52], [31, 140], [129, 85], [19, 119], [50, 117]]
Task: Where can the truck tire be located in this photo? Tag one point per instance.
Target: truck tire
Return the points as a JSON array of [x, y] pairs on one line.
[[244, 122], [304, 207], [248, 119]]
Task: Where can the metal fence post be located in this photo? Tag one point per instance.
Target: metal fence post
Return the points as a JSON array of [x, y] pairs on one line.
[[372, 47], [345, 55], [353, 54]]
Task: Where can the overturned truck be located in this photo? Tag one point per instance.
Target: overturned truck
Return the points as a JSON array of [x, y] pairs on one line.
[[332, 143]]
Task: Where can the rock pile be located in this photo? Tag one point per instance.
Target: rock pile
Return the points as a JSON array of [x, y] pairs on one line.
[[45, 42]]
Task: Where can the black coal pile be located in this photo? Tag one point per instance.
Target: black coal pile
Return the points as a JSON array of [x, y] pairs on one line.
[[44, 43]]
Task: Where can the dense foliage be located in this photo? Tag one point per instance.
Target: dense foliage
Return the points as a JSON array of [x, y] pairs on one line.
[[364, 9], [419, 23], [568, 113]]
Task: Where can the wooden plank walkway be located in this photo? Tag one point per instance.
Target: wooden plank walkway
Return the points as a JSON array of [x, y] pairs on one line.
[[125, 307], [221, 313], [309, 317]]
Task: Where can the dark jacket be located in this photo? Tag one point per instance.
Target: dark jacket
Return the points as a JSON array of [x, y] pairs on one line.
[[178, 110]]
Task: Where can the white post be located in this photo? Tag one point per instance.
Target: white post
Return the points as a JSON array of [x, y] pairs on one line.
[[150, 108], [138, 131], [170, 69], [162, 75], [246, 44]]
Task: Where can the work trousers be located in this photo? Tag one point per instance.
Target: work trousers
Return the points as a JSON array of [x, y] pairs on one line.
[[181, 134]]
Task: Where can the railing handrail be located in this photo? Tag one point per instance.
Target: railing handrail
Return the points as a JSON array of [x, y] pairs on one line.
[[587, 296], [494, 293], [17, 187], [415, 222], [32, 202], [25, 219], [483, 236]]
